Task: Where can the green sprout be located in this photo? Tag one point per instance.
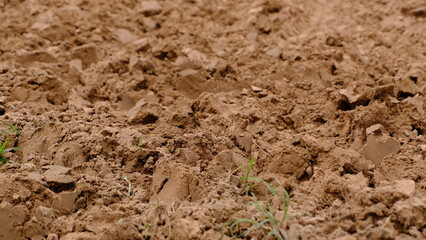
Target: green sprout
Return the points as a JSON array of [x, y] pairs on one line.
[[140, 143], [247, 184], [3, 147], [269, 221]]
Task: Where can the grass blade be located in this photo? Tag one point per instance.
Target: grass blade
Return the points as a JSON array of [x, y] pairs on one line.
[[236, 224], [3, 146], [257, 204], [256, 226]]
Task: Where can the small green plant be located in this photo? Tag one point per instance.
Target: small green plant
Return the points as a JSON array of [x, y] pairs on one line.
[[247, 183], [3, 147], [140, 143], [269, 221], [145, 228]]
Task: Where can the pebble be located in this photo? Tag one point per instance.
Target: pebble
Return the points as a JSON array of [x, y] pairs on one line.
[[150, 8], [256, 89]]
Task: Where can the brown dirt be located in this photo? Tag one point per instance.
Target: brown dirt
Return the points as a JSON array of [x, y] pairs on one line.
[[137, 116]]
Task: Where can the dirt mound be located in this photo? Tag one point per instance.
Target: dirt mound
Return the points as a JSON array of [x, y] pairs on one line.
[[195, 119]]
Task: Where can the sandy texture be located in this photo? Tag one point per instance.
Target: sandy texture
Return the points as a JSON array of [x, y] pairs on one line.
[[139, 117]]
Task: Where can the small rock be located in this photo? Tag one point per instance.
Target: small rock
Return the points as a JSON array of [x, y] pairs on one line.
[[124, 36], [150, 24], [133, 63], [376, 128], [274, 52], [150, 8], [262, 94], [16, 197], [376, 149], [141, 45], [256, 89], [259, 91]]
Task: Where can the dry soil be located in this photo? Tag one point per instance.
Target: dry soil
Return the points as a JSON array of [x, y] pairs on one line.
[[138, 118]]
